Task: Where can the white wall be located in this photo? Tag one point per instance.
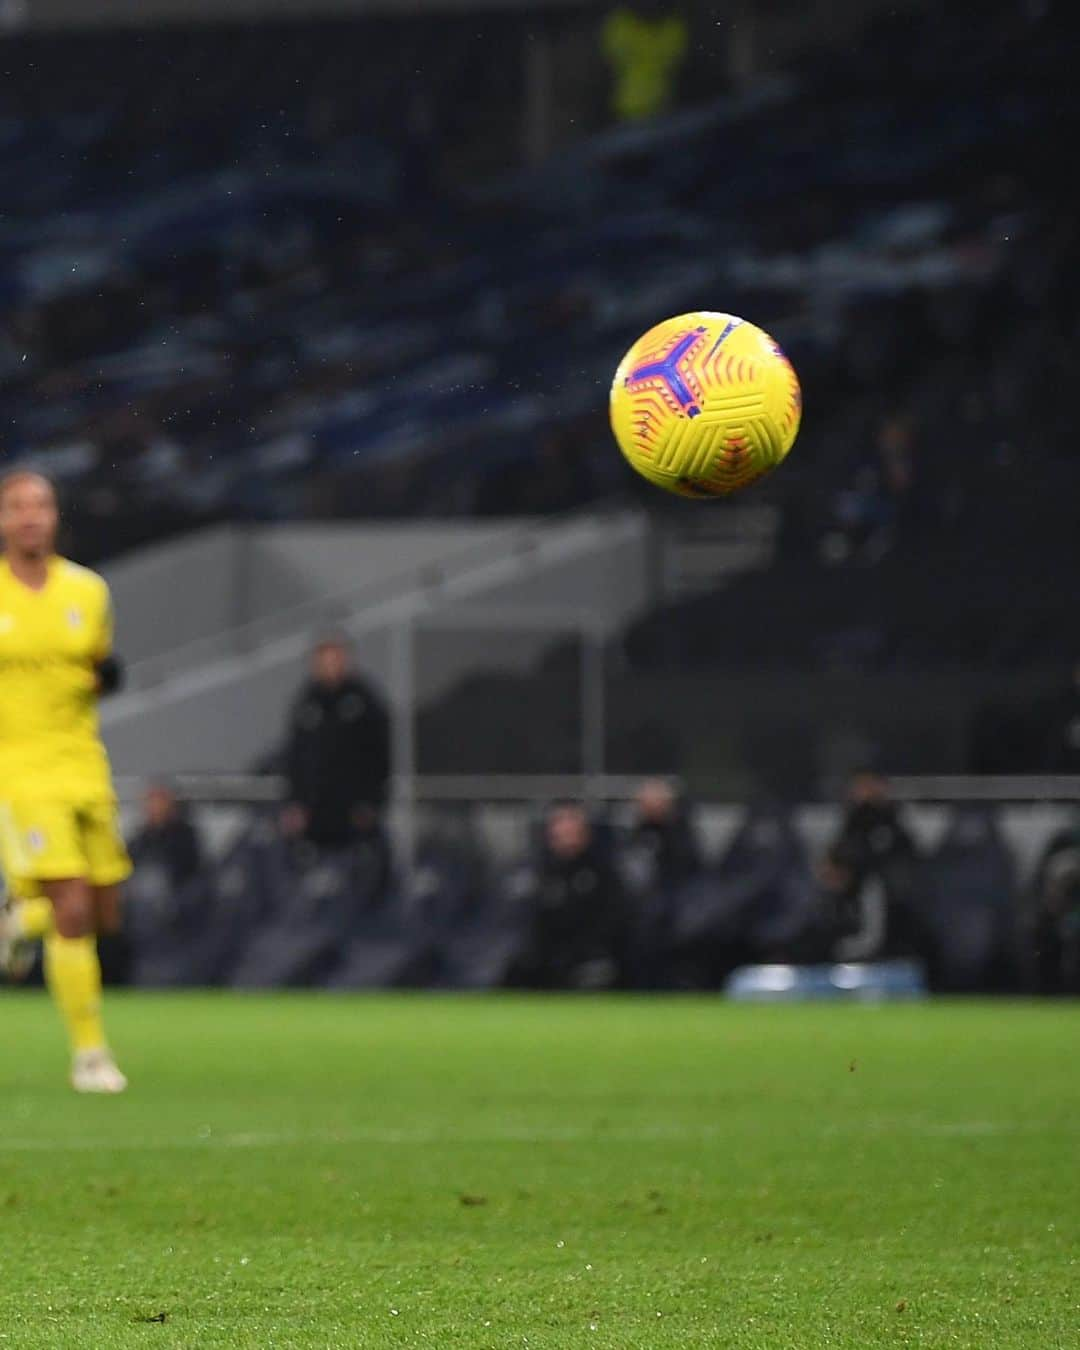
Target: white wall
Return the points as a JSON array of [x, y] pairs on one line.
[[216, 580], [173, 594], [294, 564], [226, 714]]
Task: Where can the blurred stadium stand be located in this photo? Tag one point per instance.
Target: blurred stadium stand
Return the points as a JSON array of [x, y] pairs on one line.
[[259, 310]]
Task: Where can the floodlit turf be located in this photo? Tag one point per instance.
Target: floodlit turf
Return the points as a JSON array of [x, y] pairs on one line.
[[508, 1172]]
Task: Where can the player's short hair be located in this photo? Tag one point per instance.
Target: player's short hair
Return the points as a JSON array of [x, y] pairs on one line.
[[22, 475], [332, 638], [560, 804]]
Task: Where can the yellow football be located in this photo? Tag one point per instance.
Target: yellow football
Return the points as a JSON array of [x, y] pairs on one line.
[[704, 404]]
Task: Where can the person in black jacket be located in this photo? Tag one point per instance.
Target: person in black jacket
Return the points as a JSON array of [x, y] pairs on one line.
[[663, 835], [874, 845], [579, 917], [1056, 928], [337, 754], [167, 838]]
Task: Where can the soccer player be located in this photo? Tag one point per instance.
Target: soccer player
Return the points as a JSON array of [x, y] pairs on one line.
[[58, 817]]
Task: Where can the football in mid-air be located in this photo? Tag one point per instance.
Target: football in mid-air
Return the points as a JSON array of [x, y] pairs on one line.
[[704, 404]]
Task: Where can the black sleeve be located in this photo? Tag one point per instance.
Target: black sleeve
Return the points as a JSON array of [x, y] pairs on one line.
[[110, 674], [380, 752], [614, 922], [846, 847], [294, 759], [371, 778], [190, 849], [688, 853]]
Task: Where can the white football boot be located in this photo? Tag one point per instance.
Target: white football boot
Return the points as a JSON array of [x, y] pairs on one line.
[[96, 1071]]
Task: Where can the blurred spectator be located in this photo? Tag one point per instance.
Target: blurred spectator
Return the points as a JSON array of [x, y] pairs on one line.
[[579, 919], [879, 504], [660, 853], [337, 754], [167, 838], [895, 452], [1057, 915], [870, 877], [645, 46], [662, 844], [168, 855]]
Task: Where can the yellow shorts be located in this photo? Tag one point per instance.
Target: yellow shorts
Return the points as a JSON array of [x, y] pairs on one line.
[[16, 888], [55, 841]]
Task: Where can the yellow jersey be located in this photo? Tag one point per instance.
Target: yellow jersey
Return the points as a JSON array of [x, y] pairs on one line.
[[50, 643]]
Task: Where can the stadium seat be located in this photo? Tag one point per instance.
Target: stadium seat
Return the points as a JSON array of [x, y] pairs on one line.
[[972, 903]]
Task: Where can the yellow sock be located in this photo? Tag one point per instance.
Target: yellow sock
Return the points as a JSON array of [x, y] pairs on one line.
[[73, 974], [34, 917]]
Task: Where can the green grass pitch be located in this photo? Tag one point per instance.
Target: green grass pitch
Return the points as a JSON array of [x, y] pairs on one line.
[[325, 1171]]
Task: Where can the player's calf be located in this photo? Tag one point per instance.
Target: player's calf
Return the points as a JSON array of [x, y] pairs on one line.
[[73, 975]]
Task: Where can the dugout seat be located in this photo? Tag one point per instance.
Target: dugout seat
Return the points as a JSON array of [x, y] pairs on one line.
[[971, 891]]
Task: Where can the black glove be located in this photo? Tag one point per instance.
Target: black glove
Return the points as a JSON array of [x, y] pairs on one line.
[[110, 675]]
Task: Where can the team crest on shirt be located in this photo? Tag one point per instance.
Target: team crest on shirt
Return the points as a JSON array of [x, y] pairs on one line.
[[74, 617], [35, 840]]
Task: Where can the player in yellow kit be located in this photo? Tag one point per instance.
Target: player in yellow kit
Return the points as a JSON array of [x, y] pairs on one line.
[[59, 835]]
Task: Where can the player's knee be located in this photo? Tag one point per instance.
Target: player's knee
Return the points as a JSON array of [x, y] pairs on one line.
[[73, 908], [107, 909]]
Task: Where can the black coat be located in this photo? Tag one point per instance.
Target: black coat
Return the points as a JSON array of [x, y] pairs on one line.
[[874, 842], [671, 848], [872, 839], [337, 756], [579, 922], [174, 845], [1057, 915]]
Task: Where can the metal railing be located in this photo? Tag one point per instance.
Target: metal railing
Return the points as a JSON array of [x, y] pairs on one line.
[[535, 789], [989, 788]]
